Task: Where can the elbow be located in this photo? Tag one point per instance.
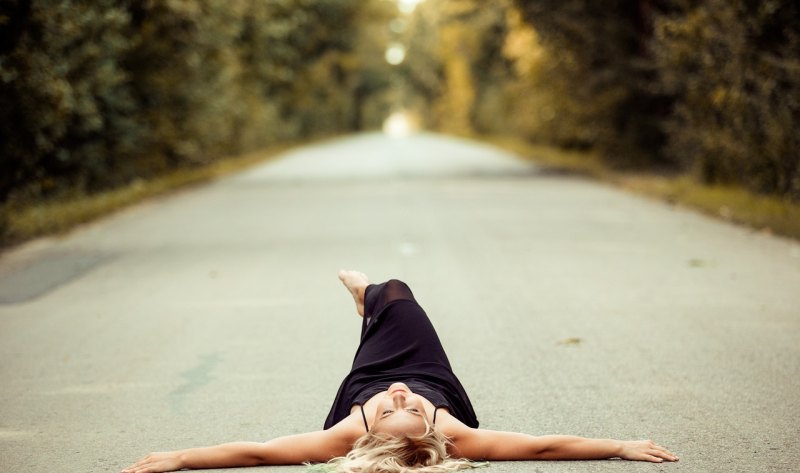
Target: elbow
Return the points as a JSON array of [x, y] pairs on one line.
[[555, 447]]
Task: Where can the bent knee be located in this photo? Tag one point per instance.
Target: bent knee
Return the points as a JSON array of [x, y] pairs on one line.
[[395, 289]]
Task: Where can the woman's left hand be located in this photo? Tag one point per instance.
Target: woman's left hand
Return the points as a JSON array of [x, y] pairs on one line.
[[645, 450], [158, 462]]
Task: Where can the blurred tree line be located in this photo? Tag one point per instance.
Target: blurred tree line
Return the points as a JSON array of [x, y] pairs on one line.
[[709, 87], [97, 93]]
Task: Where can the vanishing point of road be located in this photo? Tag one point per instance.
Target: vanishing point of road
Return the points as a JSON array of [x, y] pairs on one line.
[[567, 306]]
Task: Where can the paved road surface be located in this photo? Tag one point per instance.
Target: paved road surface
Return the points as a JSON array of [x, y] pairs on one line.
[[566, 306]]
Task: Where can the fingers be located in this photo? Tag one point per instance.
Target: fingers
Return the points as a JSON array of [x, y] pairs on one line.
[[142, 466], [661, 453], [132, 468], [156, 462], [651, 458], [665, 454], [140, 469], [135, 468], [647, 450]]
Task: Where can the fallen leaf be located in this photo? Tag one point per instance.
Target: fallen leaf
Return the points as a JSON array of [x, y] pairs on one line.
[[696, 262]]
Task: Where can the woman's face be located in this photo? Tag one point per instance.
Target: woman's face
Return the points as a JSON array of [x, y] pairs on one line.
[[400, 412]]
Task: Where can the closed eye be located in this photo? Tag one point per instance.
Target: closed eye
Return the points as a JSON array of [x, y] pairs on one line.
[[389, 412]]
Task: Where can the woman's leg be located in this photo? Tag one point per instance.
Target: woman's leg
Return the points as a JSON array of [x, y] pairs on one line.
[[355, 282], [378, 296], [395, 330], [370, 299]]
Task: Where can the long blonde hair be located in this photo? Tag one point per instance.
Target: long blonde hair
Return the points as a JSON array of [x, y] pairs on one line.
[[376, 452]]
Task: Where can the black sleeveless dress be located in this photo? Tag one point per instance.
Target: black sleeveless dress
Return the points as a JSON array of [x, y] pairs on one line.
[[399, 344]]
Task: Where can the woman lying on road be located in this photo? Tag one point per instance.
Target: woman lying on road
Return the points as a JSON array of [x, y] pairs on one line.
[[400, 407]]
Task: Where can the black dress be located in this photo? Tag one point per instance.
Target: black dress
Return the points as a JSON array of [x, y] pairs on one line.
[[399, 344]]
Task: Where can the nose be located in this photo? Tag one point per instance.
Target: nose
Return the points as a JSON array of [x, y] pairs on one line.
[[399, 399]]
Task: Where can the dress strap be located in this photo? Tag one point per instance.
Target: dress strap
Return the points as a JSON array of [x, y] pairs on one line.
[[364, 416], [435, 410]]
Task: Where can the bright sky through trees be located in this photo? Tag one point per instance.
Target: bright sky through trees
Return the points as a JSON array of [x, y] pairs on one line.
[[399, 125], [407, 6], [395, 53]]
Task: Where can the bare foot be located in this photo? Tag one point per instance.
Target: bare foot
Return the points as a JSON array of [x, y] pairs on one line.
[[355, 282]]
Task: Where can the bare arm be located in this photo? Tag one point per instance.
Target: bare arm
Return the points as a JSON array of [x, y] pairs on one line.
[[481, 444], [289, 450]]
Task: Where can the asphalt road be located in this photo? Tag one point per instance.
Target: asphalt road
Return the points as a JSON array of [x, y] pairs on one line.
[[566, 306]]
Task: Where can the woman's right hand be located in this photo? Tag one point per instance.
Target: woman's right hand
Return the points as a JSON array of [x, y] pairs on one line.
[[157, 462]]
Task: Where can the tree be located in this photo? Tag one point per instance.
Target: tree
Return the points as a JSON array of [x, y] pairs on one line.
[[734, 70], [65, 105]]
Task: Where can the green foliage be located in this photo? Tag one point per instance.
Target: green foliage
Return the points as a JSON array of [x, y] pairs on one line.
[[711, 87], [366, 70], [598, 72], [734, 70], [64, 104], [184, 73], [98, 93], [569, 80], [454, 65]]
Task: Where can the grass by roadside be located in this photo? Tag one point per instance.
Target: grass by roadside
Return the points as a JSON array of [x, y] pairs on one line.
[[763, 213], [55, 217]]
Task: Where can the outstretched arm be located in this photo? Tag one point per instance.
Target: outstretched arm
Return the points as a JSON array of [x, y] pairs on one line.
[[289, 450], [481, 444], [218, 456]]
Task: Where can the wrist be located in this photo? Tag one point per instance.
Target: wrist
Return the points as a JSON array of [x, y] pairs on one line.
[[618, 448], [182, 456]]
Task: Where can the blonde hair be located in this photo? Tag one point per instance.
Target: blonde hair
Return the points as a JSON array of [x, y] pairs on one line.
[[376, 452]]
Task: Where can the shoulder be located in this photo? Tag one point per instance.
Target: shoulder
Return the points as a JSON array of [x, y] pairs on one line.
[[463, 439], [349, 429], [452, 428]]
